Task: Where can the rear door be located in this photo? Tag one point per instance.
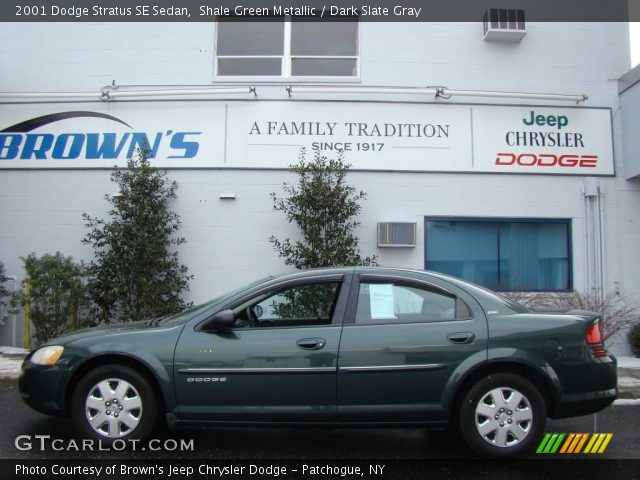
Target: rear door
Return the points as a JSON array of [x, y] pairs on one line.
[[402, 341], [279, 364]]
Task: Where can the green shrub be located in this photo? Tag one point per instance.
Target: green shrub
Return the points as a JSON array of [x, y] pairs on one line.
[[4, 293], [56, 292], [634, 339], [3, 278]]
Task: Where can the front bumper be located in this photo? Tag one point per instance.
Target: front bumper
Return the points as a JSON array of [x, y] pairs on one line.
[[43, 388]]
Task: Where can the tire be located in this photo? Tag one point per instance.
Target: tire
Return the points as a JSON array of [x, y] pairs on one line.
[[520, 410], [114, 402]]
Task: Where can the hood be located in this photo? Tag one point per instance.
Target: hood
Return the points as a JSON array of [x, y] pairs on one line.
[[107, 329]]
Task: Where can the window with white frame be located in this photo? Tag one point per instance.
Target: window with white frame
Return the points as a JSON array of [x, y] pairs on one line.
[[282, 48]]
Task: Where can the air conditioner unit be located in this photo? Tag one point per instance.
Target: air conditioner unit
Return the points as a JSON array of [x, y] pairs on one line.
[[396, 234], [504, 25]]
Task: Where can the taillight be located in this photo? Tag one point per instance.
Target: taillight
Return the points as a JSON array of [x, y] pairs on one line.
[[594, 333], [594, 339]]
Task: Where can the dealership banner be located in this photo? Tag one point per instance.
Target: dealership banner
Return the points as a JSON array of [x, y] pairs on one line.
[[271, 134], [542, 140]]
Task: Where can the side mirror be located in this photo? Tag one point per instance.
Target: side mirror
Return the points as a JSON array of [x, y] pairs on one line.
[[223, 320]]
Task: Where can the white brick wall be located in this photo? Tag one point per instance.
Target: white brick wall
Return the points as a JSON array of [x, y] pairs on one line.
[[552, 57], [228, 239]]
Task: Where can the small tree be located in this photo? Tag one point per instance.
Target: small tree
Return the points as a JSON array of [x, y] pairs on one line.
[[634, 339], [324, 207], [3, 278], [3, 291], [56, 293], [136, 273]]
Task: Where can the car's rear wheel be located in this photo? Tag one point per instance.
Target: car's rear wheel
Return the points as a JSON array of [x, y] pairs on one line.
[[502, 415], [114, 402]]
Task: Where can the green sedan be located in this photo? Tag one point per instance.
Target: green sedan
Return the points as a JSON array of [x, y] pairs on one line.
[[344, 346]]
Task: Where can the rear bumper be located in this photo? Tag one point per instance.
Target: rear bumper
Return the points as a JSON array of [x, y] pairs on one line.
[[584, 404], [603, 381]]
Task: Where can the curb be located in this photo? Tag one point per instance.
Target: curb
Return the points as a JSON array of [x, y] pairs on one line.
[[628, 383], [629, 393]]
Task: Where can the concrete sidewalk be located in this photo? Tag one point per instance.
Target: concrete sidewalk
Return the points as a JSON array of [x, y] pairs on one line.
[[629, 377], [10, 361], [628, 371]]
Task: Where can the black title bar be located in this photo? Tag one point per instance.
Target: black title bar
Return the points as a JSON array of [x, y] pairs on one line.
[[323, 10], [313, 469]]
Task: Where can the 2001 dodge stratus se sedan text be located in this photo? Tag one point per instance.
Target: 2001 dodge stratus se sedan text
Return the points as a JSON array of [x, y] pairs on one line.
[[355, 346]]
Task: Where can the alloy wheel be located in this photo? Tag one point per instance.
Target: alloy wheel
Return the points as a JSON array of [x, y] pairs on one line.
[[113, 408], [504, 417]]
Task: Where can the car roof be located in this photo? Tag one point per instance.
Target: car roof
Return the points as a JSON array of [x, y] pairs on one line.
[[482, 294], [361, 269]]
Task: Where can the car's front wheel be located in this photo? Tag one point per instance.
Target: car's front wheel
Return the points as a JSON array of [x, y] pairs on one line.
[[502, 415], [114, 402]]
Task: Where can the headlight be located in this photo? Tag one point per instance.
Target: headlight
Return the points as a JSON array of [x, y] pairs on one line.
[[47, 355]]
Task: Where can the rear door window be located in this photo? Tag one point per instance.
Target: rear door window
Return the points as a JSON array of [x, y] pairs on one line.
[[382, 302]]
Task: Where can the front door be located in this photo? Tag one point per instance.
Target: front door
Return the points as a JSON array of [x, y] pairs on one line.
[[279, 363], [400, 346]]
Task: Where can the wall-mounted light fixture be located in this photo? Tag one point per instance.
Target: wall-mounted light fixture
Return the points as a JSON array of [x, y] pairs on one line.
[[29, 95], [291, 89], [111, 93], [227, 196], [438, 92], [446, 93]]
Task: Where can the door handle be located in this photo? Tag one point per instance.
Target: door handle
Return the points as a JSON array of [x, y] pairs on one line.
[[461, 337], [315, 343]]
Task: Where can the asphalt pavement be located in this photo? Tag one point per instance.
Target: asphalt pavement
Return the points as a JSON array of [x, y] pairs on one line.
[[31, 440], [294, 443]]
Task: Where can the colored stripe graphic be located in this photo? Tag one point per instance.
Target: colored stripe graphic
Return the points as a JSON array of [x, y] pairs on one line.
[[543, 443], [581, 443], [567, 442], [550, 443], [557, 444], [598, 443], [592, 443], [603, 447], [574, 443]]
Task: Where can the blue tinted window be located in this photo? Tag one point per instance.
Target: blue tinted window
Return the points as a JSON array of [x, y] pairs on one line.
[[509, 255]]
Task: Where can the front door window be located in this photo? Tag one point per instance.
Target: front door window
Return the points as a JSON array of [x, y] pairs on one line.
[[297, 306]]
